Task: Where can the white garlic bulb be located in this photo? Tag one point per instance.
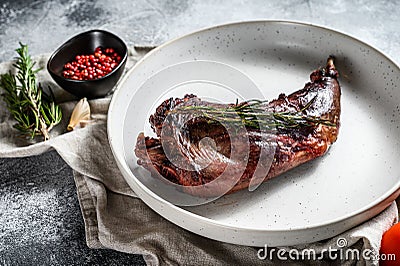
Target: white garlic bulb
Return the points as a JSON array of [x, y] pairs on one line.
[[80, 115]]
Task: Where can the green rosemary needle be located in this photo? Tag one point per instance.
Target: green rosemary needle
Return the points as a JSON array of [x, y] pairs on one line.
[[34, 110], [252, 115]]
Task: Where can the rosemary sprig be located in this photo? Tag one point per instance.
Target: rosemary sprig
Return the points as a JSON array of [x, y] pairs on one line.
[[251, 114], [34, 110]]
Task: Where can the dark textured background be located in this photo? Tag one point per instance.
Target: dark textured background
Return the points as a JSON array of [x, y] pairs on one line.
[[40, 219], [41, 222]]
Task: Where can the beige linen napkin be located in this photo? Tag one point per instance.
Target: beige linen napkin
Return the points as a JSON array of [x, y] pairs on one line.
[[115, 218]]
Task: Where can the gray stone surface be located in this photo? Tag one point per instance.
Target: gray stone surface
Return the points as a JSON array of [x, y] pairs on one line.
[[40, 220], [45, 24]]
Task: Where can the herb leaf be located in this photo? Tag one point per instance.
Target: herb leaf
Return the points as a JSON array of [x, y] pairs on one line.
[[252, 115], [34, 111]]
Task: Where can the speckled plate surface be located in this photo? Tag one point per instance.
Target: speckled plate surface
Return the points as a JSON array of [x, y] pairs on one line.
[[354, 181]]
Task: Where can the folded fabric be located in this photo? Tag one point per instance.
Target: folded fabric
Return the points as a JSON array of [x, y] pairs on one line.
[[115, 218]]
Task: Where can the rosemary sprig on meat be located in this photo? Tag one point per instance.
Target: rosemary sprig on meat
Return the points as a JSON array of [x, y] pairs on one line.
[[252, 115], [34, 110]]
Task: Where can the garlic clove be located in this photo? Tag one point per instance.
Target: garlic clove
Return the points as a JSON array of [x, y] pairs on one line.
[[80, 115]]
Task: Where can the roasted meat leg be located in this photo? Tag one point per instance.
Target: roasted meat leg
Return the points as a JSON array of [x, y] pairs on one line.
[[292, 146]]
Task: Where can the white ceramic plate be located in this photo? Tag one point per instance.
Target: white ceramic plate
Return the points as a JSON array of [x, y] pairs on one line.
[[354, 181]]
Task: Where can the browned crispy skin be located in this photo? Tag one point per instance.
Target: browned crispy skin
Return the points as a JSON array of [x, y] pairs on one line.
[[293, 147]]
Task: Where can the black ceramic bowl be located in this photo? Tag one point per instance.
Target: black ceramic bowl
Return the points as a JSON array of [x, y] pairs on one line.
[[86, 43]]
